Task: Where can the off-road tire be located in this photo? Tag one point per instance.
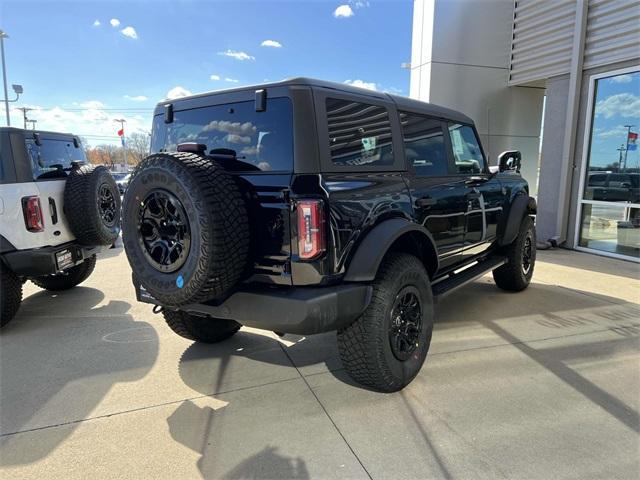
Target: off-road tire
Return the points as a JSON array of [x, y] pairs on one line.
[[67, 279], [10, 294], [82, 205], [200, 329], [512, 275], [365, 347], [218, 224]]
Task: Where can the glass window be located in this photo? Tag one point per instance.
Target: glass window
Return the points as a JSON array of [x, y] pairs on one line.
[[613, 148], [424, 144], [359, 134], [466, 149], [53, 157], [260, 141], [611, 228]]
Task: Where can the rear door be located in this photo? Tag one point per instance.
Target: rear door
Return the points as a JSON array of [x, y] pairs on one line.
[[438, 197], [50, 162]]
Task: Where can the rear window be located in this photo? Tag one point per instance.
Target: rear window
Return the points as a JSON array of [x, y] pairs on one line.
[[52, 159], [359, 134], [261, 141]]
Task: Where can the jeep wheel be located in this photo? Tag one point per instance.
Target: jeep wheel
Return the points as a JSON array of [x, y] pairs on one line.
[[10, 294], [92, 205], [185, 229], [516, 274], [385, 348], [200, 329], [67, 279]]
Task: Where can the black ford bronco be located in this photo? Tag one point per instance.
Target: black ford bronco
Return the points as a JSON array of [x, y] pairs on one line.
[[306, 206]]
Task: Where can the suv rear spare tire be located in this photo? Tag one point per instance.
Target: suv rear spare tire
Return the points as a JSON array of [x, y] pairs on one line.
[[92, 205], [186, 230]]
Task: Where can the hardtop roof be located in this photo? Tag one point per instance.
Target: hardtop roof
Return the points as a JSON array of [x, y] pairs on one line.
[[402, 103]]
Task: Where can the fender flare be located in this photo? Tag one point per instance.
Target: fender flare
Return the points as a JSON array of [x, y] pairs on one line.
[[369, 254], [522, 205]]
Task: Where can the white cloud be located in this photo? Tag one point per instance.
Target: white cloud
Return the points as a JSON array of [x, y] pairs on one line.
[[129, 32], [621, 79], [114, 22], [619, 131], [93, 104], [362, 84], [359, 3], [231, 80], [623, 104], [214, 77], [178, 92], [96, 23], [271, 43], [242, 56], [136, 98], [343, 11]]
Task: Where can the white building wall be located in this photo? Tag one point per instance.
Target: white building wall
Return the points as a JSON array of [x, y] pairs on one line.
[[460, 59]]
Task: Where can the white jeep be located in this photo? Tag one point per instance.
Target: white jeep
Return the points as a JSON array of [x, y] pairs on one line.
[[56, 213]]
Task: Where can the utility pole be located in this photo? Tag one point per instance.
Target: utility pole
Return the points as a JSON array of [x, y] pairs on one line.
[[3, 35], [24, 111], [626, 150], [33, 123], [621, 149], [122, 121]]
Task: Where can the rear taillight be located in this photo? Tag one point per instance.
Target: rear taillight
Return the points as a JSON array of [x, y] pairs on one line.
[[33, 219], [311, 239]]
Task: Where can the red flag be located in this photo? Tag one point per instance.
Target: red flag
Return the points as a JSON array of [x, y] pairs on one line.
[[121, 132]]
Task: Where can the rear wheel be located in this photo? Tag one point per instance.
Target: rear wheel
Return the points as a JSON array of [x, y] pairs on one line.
[[10, 294], [385, 348], [516, 274], [200, 329], [67, 279]]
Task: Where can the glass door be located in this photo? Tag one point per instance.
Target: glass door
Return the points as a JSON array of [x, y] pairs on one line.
[[609, 220]]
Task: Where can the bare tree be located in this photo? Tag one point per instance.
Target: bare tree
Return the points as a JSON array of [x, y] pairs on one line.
[[138, 144]]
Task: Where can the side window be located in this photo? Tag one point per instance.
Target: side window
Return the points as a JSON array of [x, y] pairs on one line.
[[424, 144], [466, 149], [359, 134]]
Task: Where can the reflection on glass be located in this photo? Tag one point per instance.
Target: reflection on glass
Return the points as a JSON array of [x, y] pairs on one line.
[[424, 144], [359, 134], [614, 158], [466, 149], [611, 228]]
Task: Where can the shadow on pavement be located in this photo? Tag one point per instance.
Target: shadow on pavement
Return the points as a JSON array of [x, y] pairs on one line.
[[591, 262], [58, 359]]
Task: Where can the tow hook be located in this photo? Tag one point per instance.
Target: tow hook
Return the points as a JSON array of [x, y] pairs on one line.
[[158, 309]]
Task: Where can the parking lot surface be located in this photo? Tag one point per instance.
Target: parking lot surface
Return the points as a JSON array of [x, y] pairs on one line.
[[541, 384]]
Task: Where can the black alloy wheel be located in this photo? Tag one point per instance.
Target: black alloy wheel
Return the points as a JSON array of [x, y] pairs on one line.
[[406, 323], [527, 255], [163, 231], [107, 205]]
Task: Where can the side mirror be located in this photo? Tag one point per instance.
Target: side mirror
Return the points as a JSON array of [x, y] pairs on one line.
[[509, 160]]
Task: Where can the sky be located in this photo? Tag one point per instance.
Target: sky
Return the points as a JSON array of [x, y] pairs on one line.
[[84, 63], [617, 104]]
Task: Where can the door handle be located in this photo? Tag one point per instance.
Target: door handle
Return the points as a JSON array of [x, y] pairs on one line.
[[426, 202]]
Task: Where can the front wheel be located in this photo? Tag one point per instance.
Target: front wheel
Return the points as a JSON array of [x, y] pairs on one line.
[[200, 329], [385, 348], [516, 274], [67, 279]]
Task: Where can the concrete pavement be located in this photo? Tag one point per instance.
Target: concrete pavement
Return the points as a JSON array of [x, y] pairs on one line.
[[541, 384]]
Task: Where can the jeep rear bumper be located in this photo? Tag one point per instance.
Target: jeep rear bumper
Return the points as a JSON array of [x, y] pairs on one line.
[[300, 310], [36, 262]]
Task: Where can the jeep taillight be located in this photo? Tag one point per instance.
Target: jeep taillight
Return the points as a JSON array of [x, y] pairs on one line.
[[311, 239], [33, 219]]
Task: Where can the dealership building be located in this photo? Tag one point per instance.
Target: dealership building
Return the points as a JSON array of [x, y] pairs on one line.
[[558, 80]]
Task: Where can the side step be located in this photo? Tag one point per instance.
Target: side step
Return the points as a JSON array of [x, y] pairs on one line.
[[457, 279]]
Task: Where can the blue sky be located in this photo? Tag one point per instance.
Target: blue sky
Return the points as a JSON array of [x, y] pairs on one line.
[[617, 104], [84, 63]]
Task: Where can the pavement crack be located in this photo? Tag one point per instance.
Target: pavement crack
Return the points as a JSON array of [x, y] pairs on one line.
[[326, 412]]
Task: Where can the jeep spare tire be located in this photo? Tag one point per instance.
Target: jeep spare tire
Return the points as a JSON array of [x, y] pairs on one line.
[[185, 228], [92, 205]]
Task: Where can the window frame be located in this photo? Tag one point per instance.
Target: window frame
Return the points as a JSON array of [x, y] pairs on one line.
[[320, 97]]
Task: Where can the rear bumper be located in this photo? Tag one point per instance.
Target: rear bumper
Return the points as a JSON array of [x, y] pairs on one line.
[[300, 310], [43, 261]]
